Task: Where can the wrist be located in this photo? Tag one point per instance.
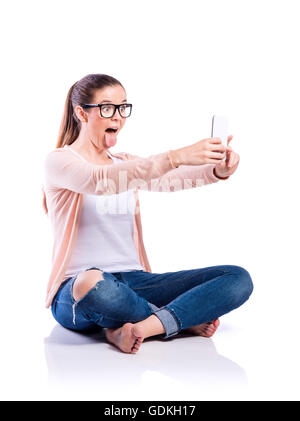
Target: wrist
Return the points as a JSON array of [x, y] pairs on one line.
[[216, 175], [174, 158]]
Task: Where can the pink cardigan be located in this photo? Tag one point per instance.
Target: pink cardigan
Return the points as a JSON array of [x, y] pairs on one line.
[[67, 177]]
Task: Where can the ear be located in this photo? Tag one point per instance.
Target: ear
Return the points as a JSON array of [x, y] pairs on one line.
[[81, 114]]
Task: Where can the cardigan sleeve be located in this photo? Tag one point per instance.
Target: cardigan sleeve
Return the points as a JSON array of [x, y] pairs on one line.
[[181, 178], [63, 170]]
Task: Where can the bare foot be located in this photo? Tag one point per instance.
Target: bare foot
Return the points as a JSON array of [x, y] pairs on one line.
[[127, 338], [205, 329]]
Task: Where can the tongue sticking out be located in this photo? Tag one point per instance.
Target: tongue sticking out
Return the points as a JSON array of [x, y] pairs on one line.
[[110, 139]]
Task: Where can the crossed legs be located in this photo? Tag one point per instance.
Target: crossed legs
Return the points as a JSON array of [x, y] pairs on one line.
[[130, 336]]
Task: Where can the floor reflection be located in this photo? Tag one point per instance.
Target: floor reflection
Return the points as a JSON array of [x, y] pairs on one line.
[[83, 360]]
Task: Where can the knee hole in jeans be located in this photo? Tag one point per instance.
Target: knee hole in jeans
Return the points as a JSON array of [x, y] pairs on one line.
[[84, 282]]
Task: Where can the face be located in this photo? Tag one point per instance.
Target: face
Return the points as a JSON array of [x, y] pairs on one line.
[[93, 124]]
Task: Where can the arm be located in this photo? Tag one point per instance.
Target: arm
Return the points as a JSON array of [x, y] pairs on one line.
[[181, 178], [63, 170]]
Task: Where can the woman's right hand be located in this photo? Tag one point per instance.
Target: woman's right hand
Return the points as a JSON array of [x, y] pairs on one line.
[[206, 151]]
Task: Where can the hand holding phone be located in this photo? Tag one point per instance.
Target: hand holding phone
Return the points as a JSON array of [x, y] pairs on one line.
[[219, 128], [204, 151]]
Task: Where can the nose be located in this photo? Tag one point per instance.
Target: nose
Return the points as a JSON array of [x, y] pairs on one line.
[[117, 116]]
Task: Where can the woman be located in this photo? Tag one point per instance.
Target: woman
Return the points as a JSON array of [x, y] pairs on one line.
[[100, 271]]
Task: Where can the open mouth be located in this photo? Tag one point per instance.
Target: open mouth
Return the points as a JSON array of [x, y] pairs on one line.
[[111, 130]]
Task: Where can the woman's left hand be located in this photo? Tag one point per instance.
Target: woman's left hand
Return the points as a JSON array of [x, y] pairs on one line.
[[229, 165]]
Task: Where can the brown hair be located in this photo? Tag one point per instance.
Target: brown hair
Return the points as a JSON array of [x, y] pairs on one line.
[[81, 92]]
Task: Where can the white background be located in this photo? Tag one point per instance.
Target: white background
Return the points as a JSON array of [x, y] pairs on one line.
[[180, 63]]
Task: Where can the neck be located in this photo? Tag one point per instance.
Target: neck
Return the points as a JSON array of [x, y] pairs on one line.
[[86, 146]]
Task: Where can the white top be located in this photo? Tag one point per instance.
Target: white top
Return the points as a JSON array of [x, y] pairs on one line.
[[105, 233]]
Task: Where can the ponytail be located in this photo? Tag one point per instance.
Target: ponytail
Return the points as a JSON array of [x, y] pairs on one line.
[[69, 126]]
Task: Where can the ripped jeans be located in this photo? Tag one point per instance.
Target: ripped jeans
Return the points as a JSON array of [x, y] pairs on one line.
[[179, 299]]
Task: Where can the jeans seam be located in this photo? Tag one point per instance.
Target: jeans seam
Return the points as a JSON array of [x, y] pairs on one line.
[[174, 280]]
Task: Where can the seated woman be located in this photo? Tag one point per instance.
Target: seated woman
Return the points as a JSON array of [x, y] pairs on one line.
[[100, 272]]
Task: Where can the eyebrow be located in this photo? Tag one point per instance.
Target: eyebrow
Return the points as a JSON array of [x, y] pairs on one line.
[[107, 100]]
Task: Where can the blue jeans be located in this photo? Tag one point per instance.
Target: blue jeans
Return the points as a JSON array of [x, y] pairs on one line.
[[179, 299]]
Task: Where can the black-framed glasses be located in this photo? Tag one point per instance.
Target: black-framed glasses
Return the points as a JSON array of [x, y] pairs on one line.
[[108, 110]]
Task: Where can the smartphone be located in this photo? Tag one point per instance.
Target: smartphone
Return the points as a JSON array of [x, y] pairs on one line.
[[219, 128]]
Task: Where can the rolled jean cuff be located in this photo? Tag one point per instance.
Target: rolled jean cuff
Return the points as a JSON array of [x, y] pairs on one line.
[[168, 320]]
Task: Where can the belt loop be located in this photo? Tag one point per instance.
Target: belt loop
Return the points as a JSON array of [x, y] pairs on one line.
[[122, 277]]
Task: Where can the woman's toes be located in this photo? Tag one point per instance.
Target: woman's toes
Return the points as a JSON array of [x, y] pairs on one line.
[[136, 347], [205, 329], [138, 335], [216, 323]]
